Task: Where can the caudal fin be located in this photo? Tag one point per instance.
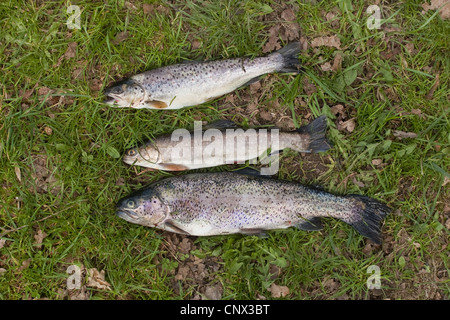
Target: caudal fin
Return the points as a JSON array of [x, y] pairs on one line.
[[291, 62], [317, 131], [368, 215]]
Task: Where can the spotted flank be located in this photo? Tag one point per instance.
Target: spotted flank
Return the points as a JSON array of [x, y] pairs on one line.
[[207, 204], [187, 84]]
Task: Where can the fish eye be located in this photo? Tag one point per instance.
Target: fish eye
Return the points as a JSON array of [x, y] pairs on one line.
[[117, 90], [131, 153], [131, 204]]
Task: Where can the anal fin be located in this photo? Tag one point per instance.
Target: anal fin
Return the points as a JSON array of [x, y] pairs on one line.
[[173, 167], [312, 224], [254, 232]]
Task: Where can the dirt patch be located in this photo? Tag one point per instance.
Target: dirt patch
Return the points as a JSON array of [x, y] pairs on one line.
[[428, 274], [443, 5], [43, 175], [195, 274]]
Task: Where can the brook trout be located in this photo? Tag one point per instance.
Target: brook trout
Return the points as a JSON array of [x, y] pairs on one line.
[[206, 204], [187, 84]]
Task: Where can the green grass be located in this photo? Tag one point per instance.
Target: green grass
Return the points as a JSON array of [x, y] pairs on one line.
[[66, 183]]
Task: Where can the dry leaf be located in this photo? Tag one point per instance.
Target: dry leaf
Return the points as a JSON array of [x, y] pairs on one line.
[[377, 162], [260, 297], [120, 37], [330, 284], [96, 85], [288, 15], [309, 87], [183, 271], [446, 180], [43, 91], [349, 125], [291, 31], [147, 8], [214, 292], [403, 135], [418, 113], [338, 109], [39, 237], [81, 294], [430, 93], [97, 280], [278, 291], [254, 87], [326, 66], [266, 116], [273, 43], [358, 183], [130, 5], [437, 4], [447, 224], [331, 41], [18, 175], [2, 243], [330, 15], [196, 44], [25, 264], [48, 131], [76, 74], [27, 94], [337, 63], [185, 246], [71, 52], [410, 48]]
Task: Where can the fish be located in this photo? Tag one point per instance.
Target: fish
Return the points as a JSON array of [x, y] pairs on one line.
[[225, 143], [223, 203], [195, 82]]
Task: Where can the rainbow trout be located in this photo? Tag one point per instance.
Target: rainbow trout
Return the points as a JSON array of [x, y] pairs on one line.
[[184, 150], [206, 204], [188, 84]]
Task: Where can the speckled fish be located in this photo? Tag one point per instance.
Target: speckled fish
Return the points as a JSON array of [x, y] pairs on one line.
[[216, 149], [206, 204], [188, 84]]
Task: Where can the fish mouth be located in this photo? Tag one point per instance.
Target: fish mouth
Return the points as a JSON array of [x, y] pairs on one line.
[[129, 216], [129, 160], [109, 100]]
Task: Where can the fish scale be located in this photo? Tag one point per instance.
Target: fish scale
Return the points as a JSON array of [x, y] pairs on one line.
[[205, 204]]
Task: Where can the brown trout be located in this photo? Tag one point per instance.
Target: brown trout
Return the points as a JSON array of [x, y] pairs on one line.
[[184, 150], [188, 84], [206, 204]]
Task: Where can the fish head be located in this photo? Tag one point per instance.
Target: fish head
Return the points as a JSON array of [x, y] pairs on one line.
[[143, 156], [126, 93], [144, 208]]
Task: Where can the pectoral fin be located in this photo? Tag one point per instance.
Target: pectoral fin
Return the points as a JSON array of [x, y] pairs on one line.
[[170, 225], [157, 104]]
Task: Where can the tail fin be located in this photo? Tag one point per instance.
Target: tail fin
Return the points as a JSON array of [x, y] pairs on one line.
[[291, 62], [369, 215], [317, 130]]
